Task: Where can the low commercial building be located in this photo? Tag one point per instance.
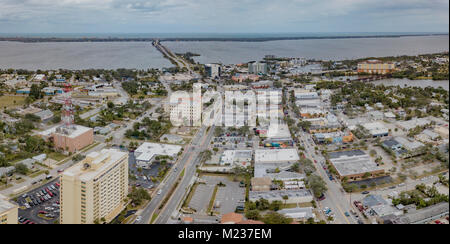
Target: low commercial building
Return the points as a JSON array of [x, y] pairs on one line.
[[294, 196], [298, 214], [413, 123], [278, 131], [71, 139], [333, 137], [6, 170], [95, 188], [394, 146], [45, 115], [423, 216], [442, 131], [376, 129], [264, 84], [410, 145], [287, 176], [242, 158], [147, 152], [243, 77], [277, 156], [261, 184], [354, 165], [309, 103], [306, 95], [312, 112], [8, 211]]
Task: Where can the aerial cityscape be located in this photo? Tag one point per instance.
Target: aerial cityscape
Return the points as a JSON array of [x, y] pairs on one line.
[[224, 122]]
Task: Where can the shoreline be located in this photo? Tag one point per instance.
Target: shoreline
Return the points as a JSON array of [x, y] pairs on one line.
[[201, 39]]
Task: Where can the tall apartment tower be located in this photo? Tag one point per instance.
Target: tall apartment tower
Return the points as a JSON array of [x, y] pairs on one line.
[[213, 71], [186, 109], [94, 189], [258, 68]]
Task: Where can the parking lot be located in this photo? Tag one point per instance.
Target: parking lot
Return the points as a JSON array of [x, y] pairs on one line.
[[40, 206], [201, 197], [229, 196], [143, 177]]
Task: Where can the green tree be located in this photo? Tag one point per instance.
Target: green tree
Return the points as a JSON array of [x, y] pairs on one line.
[[317, 185], [276, 218], [253, 214], [21, 169]]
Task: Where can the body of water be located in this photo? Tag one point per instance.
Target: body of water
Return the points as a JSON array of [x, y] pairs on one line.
[[80, 55], [141, 55], [326, 49]]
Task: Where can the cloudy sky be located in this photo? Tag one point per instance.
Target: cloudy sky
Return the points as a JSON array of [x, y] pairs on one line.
[[221, 16]]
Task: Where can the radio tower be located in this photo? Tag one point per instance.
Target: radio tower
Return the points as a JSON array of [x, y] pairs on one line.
[[68, 109]]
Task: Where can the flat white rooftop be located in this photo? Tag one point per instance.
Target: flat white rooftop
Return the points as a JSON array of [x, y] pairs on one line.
[[72, 132], [148, 150], [376, 128], [352, 162], [276, 155], [230, 156], [99, 162], [277, 130]]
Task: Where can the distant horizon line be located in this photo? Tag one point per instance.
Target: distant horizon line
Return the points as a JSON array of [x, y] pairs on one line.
[[238, 32], [231, 37]]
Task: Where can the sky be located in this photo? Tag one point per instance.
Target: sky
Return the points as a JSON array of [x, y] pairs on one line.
[[222, 16]]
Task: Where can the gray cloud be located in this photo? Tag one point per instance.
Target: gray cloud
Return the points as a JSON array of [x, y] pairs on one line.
[[223, 16]]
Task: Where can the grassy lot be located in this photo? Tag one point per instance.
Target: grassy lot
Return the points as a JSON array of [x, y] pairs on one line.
[[213, 198], [33, 175], [57, 156], [11, 101]]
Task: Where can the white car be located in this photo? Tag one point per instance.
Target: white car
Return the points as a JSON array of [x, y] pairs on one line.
[[159, 192], [138, 218]]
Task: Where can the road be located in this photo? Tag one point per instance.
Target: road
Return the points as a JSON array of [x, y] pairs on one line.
[[180, 62], [188, 161], [189, 154], [190, 170], [119, 135], [335, 199]]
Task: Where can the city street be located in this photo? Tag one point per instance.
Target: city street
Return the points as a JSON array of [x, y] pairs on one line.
[[189, 154]]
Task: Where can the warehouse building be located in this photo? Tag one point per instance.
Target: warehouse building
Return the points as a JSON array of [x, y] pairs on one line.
[[294, 196], [354, 165], [376, 129], [278, 156]]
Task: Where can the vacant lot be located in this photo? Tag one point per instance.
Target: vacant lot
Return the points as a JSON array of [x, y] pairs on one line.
[[11, 101]]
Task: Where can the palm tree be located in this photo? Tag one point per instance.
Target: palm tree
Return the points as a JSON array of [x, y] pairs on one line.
[[285, 198]]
